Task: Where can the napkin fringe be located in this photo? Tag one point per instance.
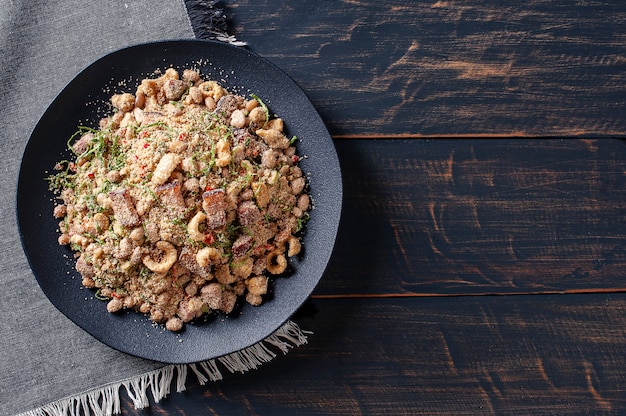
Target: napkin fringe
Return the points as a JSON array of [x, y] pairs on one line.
[[209, 20], [106, 400]]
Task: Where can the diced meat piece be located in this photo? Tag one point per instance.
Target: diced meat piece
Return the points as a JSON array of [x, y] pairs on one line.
[[214, 205], [82, 145], [195, 95], [171, 196], [213, 200], [248, 213], [212, 295], [254, 300], [124, 249], [152, 228], [259, 265], [229, 300], [124, 208], [137, 255], [187, 259], [268, 159], [85, 269], [216, 220], [229, 103], [174, 89], [150, 117], [191, 289], [189, 309], [242, 136], [218, 297], [241, 245], [255, 149]]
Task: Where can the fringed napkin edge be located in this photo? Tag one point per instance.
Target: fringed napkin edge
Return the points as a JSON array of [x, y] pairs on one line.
[[105, 400], [209, 20]]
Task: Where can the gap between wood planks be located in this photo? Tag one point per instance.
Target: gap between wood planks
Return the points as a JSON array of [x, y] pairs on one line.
[[456, 295], [518, 135]]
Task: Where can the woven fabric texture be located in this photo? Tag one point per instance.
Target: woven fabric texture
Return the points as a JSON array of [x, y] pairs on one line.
[[43, 44]]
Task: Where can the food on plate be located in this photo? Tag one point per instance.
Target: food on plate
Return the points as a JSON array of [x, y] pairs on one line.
[[185, 200]]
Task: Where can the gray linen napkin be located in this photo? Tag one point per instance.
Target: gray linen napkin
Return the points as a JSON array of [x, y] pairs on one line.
[[43, 356]]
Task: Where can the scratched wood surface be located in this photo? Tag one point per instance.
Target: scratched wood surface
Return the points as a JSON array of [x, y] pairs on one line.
[[471, 276], [531, 355], [464, 216], [457, 67]]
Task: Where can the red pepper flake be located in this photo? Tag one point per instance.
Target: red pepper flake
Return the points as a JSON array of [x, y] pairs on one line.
[[209, 239], [91, 175], [115, 295], [295, 158], [145, 145], [183, 136], [208, 188]]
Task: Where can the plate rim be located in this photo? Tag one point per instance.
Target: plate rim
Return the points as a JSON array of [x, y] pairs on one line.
[[337, 210]]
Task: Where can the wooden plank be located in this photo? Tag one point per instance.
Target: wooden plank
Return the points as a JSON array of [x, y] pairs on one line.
[[480, 216], [532, 355], [431, 68]]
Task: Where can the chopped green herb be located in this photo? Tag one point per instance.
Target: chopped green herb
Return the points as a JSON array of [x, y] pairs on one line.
[[100, 296], [302, 221]]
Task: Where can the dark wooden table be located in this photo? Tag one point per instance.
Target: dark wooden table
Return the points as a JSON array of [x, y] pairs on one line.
[[480, 267]]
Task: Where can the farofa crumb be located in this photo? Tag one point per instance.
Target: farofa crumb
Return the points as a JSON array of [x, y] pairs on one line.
[[184, 200]]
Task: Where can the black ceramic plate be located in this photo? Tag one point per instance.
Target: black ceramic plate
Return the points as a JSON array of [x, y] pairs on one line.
[[82, 102]]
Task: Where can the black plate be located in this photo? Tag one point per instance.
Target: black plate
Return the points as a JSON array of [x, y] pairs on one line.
[[82, 102]]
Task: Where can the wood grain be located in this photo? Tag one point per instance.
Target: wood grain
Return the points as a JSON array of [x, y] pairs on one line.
[[449, 68], [532, 355], [483, 275], [458, 217]]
